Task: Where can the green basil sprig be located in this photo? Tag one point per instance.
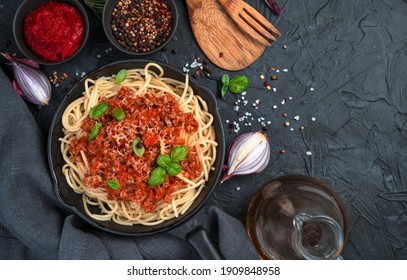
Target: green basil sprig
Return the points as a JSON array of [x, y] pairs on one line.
[[118, 113], [168, 164], [236, 85], [138, 147], [98, 110], [95, 131], [121, 76], [113, 184]]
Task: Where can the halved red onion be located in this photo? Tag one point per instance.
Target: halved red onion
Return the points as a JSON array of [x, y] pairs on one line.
[[248, 154]]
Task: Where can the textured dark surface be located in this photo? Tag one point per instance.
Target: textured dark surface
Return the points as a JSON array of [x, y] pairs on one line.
[[346, 67]]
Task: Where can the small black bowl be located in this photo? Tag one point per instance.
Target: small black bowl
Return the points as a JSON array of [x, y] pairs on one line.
[[28, 6], [107, 17]]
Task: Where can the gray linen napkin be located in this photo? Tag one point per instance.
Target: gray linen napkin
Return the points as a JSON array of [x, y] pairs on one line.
[[34, 225]]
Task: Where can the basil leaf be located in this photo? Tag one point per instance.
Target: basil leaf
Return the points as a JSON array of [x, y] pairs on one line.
[[163, 160], [138, 148], [121, 76], [98, 110], [118, 113], [224, 90], [113, 184], [225, 79], [157, 177], [173, 168], [95, 131], [239, 84], [179, 153]]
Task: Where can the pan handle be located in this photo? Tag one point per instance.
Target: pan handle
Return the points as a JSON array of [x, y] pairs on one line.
[[199, 240]]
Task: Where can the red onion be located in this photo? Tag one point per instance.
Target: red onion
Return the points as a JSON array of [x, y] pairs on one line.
[[30, 82], [273, 6], [248, 154]]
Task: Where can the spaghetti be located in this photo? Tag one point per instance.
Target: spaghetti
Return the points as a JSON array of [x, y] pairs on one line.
[[162, 113]]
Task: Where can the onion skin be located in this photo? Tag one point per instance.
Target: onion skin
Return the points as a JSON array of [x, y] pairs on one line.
[[248, 154], [30, 83]]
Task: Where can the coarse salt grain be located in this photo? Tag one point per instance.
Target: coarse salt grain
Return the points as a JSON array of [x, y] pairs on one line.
[[194, 64], [309, 153], [274, 89], [243, 93], [274, 106], [296, 118], [311, 89], [285, 70], [313, 119]]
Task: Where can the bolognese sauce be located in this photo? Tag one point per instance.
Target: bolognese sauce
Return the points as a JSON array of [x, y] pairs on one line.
[[160, 124]]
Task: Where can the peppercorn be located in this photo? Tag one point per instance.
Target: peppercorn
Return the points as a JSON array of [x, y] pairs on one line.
[[282, 151], [302, 127], [285, 115], [139, 145], [287, 124], [274, 77]]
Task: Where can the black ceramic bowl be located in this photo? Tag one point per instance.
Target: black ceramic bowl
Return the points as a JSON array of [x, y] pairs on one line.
[[107, 26], [26, 7], [74, 201]]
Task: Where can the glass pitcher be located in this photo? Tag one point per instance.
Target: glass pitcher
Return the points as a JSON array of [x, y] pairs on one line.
[[297, 217]]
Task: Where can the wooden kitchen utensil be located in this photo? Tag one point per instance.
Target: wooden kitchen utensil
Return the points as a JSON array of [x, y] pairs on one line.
[[220, 39], [250, 20]]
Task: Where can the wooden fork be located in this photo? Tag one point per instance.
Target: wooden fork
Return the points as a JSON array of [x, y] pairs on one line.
[[250, 20]]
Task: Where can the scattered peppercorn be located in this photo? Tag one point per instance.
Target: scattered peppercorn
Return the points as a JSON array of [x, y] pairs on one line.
[[285, 46], [287, 124], [282, 151], [207, 70], [54, 79], [265, 128], [285, 115], [274, 77], [141, 26], [302, 127], [174, 51]]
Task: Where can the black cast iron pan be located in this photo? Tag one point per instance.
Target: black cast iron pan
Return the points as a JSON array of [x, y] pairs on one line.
[[74, 201]]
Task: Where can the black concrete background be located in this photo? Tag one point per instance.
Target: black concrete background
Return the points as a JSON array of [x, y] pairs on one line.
[[346, 79]]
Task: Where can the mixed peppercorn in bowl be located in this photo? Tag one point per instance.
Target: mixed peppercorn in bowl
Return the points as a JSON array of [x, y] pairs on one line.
[[139, 27]]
